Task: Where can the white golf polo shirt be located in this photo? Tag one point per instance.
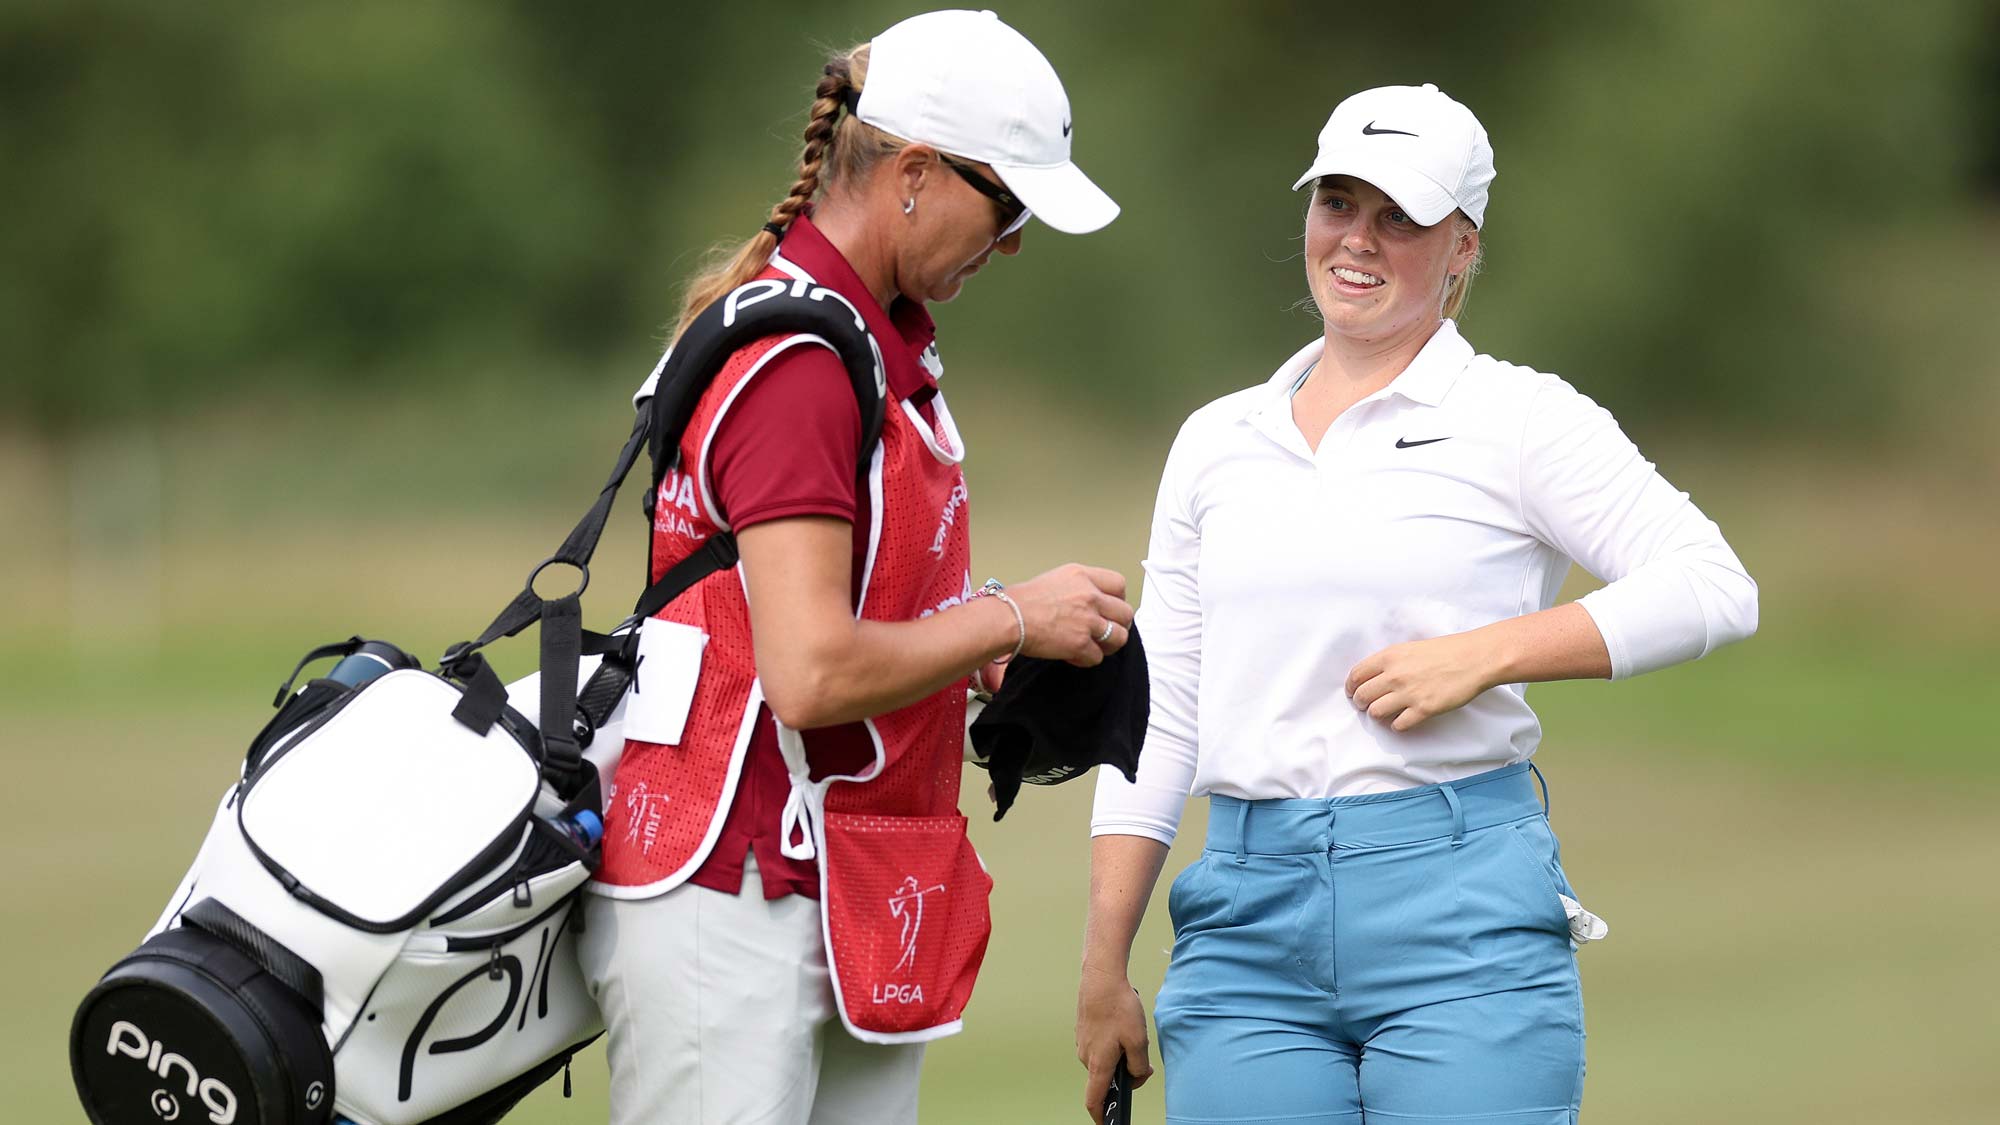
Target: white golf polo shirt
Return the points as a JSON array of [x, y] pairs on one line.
[[1455, 497]]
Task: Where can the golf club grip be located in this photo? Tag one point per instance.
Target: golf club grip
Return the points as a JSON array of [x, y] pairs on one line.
[[1118, 1096]]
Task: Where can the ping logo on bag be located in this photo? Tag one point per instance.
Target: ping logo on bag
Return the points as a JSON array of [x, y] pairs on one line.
[[128, 1040], [524, 993], [743, 296], [754, 292]]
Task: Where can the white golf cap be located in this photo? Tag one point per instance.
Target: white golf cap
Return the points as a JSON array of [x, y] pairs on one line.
[[1424, 150], [969, 85]]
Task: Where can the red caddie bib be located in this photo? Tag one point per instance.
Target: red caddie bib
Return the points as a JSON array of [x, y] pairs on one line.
[[903, 894]]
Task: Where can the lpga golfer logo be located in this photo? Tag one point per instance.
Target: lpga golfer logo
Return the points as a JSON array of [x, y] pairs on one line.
[[907, 905]]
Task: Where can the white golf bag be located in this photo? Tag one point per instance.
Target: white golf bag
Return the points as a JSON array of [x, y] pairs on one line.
[[410, 882], [381, 922]]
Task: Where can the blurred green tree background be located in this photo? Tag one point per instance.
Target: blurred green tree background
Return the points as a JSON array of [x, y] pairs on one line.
[[322, 318], [1713, 210]]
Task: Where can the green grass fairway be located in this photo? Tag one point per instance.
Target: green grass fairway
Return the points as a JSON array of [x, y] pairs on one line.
[[1784, 948]]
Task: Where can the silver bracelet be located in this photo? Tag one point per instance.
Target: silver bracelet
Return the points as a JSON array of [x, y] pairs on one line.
[[993, 589]]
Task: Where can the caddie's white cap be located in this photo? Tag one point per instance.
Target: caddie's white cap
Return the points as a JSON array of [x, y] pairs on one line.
[[1424, 150], [969, 85]]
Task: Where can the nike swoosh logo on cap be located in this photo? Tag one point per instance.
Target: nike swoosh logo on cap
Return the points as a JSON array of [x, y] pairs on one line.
[[1065, 128], [1369, 130]]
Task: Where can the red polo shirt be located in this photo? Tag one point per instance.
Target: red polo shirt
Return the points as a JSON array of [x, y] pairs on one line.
[[788, 447]]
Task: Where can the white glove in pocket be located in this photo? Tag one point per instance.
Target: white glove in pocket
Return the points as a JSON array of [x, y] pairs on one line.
[[1583, 925]]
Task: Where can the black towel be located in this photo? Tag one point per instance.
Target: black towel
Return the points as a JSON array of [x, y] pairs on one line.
[[1051, 721]]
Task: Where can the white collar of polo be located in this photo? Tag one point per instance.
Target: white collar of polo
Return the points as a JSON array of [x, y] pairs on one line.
[[1427, 379], [1430, 376]]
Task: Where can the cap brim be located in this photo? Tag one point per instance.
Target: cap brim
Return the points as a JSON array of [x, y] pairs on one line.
[[1418, 195], [1060, 195]]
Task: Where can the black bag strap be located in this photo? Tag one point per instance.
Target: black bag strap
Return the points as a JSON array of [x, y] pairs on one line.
[[750, 312], [770, 307], [717, 552], [337, 648]]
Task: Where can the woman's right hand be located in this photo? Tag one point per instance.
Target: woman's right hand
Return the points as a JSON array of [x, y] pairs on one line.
[[1110, 1023], [1066, 611]]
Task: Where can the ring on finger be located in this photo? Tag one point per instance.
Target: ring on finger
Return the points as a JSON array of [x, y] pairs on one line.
[[1106, 634]]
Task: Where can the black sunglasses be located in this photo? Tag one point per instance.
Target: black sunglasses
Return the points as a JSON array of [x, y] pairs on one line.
[[1013, 213]]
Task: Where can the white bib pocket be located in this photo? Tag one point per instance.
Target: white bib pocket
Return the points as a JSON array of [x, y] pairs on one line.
[[656, 709]]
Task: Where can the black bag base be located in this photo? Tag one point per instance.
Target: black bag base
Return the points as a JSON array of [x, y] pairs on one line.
[[189, 1028]]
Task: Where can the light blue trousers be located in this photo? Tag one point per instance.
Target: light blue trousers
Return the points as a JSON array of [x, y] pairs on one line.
[[1386, 959]]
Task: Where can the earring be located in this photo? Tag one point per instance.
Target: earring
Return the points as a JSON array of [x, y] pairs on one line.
[[909, 205]]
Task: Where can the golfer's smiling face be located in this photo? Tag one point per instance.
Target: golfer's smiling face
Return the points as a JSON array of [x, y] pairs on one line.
[[1375, 273]]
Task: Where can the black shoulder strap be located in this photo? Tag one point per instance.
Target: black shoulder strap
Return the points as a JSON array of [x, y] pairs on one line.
[[745, 314], [751, 312]]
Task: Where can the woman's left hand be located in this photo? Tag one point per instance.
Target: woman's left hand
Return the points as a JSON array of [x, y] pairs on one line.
[[1405, 684]]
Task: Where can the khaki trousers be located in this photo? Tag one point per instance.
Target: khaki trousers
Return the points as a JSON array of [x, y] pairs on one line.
[[720, 1011]]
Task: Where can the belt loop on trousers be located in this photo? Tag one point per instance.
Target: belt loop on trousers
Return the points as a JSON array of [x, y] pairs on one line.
[[1457, 814], [1537, 771], [1242, 823]]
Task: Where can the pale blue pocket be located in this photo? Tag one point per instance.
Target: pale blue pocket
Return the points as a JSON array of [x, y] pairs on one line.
[[1203, 896]]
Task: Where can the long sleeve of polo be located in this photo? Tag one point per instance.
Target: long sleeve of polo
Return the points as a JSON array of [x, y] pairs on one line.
[[1169, 619], [1674, 590]]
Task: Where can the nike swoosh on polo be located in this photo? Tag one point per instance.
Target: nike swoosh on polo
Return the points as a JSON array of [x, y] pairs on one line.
[[1369, 130], [1406, 443]]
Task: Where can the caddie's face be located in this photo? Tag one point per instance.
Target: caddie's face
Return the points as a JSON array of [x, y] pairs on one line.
[[953, 232], [1375, 273]]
